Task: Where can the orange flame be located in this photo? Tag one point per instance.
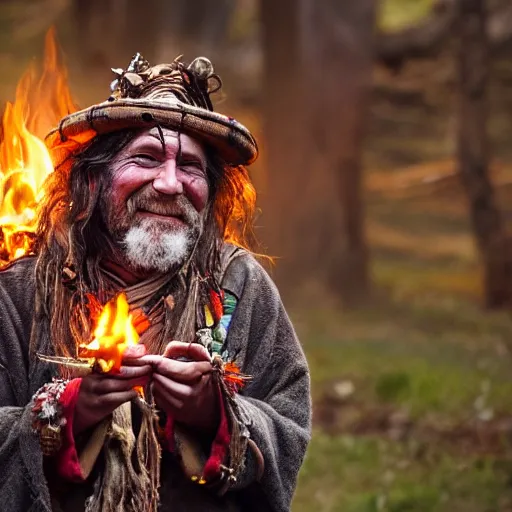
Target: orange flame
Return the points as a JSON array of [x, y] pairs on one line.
[[114, 333], [24, 160]]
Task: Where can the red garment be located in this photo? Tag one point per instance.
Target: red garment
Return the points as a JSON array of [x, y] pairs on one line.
[[220, 444], [68, 465]]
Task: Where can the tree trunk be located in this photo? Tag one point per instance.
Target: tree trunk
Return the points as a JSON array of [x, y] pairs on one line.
[[96, 31], [141, 28], [193, 28], [317, 76], [473, 154], [339, 54], [110, 32], [282, 194]]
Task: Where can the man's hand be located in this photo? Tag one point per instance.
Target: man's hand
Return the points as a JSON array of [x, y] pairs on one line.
[[184, 388], [100, 394]]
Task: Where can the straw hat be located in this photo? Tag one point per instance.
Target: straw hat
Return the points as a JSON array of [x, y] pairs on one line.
[[172, 95]]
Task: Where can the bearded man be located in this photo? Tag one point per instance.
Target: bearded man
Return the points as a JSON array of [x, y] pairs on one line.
[[149, 198]]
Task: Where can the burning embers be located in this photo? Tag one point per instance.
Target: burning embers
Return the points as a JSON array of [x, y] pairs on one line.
[[114, 333], [24, 160]]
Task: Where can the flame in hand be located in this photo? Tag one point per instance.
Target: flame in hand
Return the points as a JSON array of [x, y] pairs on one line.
[[113, 334]]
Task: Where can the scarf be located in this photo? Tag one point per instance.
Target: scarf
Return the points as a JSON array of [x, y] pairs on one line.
[[130, 476]]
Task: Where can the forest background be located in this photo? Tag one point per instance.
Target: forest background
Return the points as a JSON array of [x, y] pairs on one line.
[[385, 187]]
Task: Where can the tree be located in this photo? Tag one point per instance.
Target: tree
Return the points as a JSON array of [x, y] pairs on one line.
[[319, 57], [110, 32], [473, 153], [284, 136], [339, 60], [193, 27]]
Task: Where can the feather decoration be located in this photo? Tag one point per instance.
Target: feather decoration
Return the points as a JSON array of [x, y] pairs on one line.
[[233, 377]]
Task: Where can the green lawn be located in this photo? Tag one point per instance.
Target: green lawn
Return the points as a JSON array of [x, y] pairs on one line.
[[423, 349], [353, 474], [439, 360]]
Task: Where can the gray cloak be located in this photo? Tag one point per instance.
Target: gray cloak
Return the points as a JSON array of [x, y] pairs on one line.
[[275, 405]]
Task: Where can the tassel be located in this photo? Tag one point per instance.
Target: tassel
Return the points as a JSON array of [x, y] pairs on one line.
[[123, 486], [149, 454], [113, 490], [239, 438], [235, 459]]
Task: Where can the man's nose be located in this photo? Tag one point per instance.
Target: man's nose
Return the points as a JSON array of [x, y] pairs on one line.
[[167, 181]]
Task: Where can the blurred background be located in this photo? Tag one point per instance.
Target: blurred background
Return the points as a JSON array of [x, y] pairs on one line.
[[384, 184]]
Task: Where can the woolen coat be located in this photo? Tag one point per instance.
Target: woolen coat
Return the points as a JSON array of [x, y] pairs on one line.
[[275, 405]]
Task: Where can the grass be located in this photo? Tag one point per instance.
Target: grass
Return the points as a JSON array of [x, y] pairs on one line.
[[423, 350], [350, 474], [424, 347], [422, 357]]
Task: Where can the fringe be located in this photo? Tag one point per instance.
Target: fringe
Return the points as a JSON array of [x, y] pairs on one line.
[[149, 454], [131, 476], [239, 437]]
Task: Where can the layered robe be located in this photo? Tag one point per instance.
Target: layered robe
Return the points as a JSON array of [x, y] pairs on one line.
[[275, 405]]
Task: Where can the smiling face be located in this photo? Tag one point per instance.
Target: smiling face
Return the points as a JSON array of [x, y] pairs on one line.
[[158, 199]]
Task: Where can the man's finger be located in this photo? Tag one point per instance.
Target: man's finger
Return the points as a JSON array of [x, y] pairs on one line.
[[134, 352], [133, 372], [192, 351], [174, 388], [107, 386], [130, 361], [178, 370], [167, 402], [114, 400]]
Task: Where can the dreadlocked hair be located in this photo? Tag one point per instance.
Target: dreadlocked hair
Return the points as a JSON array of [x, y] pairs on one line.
[[72, 238]]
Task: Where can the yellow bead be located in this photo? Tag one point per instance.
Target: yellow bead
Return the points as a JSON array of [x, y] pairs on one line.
[[208, 316]]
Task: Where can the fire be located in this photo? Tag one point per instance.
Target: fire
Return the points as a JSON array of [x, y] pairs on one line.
[[24, 160], [114, 333]]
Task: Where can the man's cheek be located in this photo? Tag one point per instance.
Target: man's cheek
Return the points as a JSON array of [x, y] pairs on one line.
[[198, 194], [117, 216]]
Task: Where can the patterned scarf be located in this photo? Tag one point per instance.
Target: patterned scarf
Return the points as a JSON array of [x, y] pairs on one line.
[[130, 476]]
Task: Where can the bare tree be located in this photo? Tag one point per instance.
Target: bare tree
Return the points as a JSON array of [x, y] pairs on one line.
[[193, 27], [339, 51], [318, 61], [284, 141], [473, 153]]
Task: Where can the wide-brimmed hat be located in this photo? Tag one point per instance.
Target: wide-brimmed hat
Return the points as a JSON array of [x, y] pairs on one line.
[[173, 95]]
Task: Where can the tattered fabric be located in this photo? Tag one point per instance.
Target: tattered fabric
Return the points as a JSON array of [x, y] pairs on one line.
[[275, 405]]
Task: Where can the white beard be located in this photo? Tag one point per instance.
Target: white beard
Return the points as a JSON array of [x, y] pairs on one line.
[[150, 249]]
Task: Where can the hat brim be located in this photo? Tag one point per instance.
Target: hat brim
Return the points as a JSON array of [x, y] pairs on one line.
[[232, 141]]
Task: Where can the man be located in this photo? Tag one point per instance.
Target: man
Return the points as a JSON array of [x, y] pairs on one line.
[[148, 189]]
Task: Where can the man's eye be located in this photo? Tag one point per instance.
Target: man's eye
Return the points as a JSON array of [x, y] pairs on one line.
[[144, 156], [189, 163], [146, 159], [192, 166]]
